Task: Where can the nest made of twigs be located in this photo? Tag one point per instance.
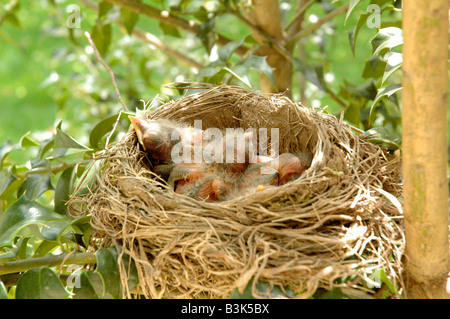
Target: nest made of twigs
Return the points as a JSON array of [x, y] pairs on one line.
[[340, 218]]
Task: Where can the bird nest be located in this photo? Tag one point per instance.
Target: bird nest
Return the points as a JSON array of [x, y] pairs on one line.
[[340, 219]]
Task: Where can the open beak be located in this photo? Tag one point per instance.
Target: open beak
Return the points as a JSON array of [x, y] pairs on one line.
[[138, 127]]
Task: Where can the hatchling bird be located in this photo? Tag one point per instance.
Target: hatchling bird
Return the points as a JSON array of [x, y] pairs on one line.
[[238, 150], [159, 137], [258, 177], [210, 189], [290, 167]]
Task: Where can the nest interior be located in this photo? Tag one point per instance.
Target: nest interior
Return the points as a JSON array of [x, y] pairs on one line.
[[341, 218]]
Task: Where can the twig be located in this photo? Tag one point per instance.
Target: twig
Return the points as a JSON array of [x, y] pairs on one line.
[[111, 72], [299, 14], [276, 44], [113, 130], [318, 24], [47, 261], [152, 39], [167, 18]]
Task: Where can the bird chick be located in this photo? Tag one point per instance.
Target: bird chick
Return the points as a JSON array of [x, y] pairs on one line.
[[211, 189], [237, 150], [155, 137], [258, 177], [185, 173], [164, 139], [290, 167]]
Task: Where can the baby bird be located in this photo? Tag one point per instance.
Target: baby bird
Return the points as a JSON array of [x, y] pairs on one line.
[[155, 138], [212, 189], [258, 177], [185, 174], [159, 137], [237, 150], [290, 167]]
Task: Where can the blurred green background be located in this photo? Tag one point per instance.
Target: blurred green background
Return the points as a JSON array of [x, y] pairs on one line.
[[46, 78]]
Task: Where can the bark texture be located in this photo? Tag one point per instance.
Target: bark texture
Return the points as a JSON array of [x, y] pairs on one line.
[[425, 99]]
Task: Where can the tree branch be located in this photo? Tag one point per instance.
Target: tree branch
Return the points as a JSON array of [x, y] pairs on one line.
[[295, 23], [330, 16], [276, 44], [47, 261], [111, 72], [167, 18], [154, 40]]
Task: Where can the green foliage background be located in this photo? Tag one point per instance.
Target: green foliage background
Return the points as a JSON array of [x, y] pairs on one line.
[[58, 106]]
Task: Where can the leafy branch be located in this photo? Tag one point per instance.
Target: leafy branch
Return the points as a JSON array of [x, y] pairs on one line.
[[47, 261], [330, 16], [154, 40], [167, 18]]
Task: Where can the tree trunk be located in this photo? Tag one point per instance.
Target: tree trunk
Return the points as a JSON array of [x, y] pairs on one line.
[[425, 98], [265, 15]]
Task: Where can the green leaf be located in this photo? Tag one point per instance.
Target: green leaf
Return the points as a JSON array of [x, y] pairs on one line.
[[128, 19], [351, 7], [108, 269], [89, 176], [131, 270], [239, 72], [64, 189], [207, 35], [384, 278], [374, 68], [228, 49], [22, 213], [6, 179], [394, 62], [105, 126], [66, 145], [45, 247], [385, 91], [83, 228], [5, 149], [89, 281], [52, 230], [21, 248], [381, 3], [353, 113], [381, 136], [334, 293], [62, 140], [3, 292], [365, 90], [264, 289], [169, 30], [103, 8], [27, 141], [13, 20], [312, 74], [35, 185], [46, 145], [40, 283], [353, 33], [259, 64], [101, 35], [386, 39]]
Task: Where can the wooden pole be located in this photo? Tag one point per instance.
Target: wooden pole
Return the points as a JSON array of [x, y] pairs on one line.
[[425, 102]]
